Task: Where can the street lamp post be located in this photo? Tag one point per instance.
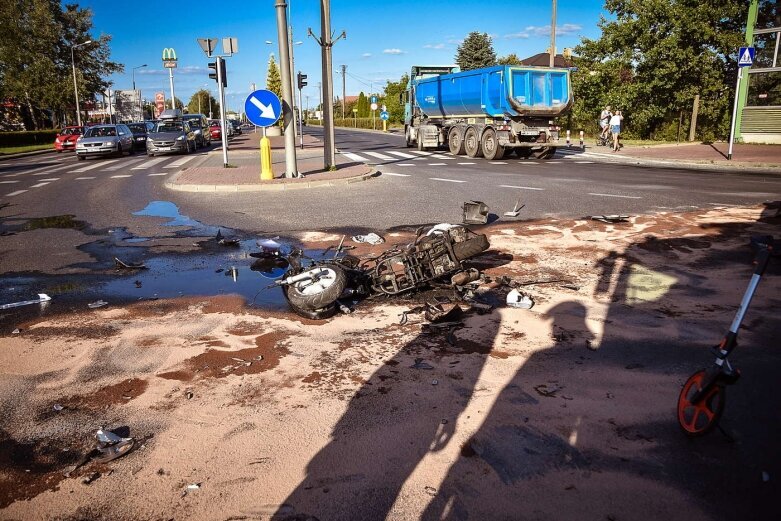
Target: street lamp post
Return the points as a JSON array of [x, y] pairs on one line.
[[75, 86], [133, 74]]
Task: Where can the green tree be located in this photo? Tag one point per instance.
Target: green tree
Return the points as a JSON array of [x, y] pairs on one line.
[[179, 104], [363, 106], [510, 59], [273, 80], [654, 57], [36, 38], [475, 51], [201, 101], [392, 99]]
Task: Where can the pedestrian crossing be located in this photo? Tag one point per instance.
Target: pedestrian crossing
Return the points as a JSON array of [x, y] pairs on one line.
[[422, 157]]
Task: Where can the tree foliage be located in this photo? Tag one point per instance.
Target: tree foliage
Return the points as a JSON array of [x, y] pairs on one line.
[[36, 38], [510, 59], [273, 79], [655, 57], [392, 98], [204, 96], [179, 104], [475, 51], [364, 111]]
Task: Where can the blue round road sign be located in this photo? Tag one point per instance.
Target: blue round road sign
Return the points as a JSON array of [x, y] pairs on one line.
[[384, 115], [263, 108]]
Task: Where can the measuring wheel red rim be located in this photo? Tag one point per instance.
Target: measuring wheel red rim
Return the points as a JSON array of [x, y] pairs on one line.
[[699, 418]]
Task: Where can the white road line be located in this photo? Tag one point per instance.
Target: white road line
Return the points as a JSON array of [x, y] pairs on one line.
[[405, 164], [584, 162], [401, 154], [552, 162], [15, 193], [83, 178], [124, 164], [180, 162], [467, 163], [396, 175], [614, 195], [7, 182], [441, 156], [51, 179], [378, 155], [96, 165], [120, 176], [153, 175], [498, 163], [446, 180], [147, 164], [522, 187], [527, 163], [421, 152], [39, 185], [437, 164], [50, 170], [354, 157]]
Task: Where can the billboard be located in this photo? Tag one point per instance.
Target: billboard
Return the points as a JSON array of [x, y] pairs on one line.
[[127, 105], [159, 102]]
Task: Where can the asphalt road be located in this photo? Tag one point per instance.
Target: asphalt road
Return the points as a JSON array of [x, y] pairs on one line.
[[411, 188]]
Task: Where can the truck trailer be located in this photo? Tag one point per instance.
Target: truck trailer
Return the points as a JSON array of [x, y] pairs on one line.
[[490, 112]]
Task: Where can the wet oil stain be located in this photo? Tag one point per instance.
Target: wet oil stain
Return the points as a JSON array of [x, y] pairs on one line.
[[168, 210], [115, 394]]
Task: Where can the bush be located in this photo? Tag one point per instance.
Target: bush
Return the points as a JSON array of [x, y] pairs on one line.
[[32, 137], [351, 122]]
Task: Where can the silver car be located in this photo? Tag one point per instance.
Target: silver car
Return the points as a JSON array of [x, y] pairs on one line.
[[170, 136], [102, 140]]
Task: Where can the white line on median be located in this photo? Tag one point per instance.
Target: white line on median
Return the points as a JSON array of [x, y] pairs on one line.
[[120, 176], [437, 164], [521, 187], [527, 163], [39, 185], [84, 178], [396, 175], [446, 180], [51, 179], [466, 163], [620, 196], [15, 193]]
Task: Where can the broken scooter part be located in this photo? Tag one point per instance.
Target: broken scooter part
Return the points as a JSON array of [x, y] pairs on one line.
[[610, 219], [42, 298], [475, 212]]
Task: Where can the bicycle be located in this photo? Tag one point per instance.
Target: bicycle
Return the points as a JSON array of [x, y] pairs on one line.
[[702, 399]]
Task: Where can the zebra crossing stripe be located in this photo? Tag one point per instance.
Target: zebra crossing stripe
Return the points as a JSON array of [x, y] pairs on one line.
[[147, 164], [180, 162], [378, 155], [124, 165], [401, 154], [12, 194], [96, 165], [354, 157]]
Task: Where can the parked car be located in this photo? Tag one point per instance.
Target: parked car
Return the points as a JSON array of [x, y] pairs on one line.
[[199, 123], [235, 125], [66, 139], [215, 131], [140, 131], [101, 140], [170, 136]]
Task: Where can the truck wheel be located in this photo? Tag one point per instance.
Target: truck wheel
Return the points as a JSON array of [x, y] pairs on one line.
[[419, 142], [321, 294], [455, 141], [492, 150], [471, 247], [472, 143], [407, 137]]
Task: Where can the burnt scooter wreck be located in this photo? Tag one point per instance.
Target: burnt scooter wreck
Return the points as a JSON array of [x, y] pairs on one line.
[[313, 287]]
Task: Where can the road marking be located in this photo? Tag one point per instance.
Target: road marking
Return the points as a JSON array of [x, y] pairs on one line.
[[614, 195], [51, 179], [527, 163], [401, 154], [15, 193], [441, 156], [467, 163], [83, 178], [7, 182], [422, 152], [96, 165], [124, 164], [153, 175], [446, 180], [498, 163], [405, 164], [437, 164], [397, 175], [378, 155], [180, 162], [354, 157], [552, 162], [147, 164], [39, 185], [522, 187], [50, 170], [120, 176], [585, 162]]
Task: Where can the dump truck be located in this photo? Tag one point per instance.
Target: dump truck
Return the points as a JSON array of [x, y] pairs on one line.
[[490, 112]]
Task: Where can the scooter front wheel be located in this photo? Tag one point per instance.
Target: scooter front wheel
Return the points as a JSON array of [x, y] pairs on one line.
[[319, 292], [697, 419]]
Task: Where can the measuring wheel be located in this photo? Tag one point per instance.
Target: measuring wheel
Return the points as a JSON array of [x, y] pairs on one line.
[[699, 418]]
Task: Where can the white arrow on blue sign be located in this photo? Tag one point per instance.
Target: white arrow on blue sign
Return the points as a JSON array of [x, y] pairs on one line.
[[384, 115], [263, 108], [746, 56]]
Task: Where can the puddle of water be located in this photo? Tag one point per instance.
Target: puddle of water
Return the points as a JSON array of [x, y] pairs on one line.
[[168, 210]]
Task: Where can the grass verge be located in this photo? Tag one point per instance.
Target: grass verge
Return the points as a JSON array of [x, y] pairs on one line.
[[28, 148]]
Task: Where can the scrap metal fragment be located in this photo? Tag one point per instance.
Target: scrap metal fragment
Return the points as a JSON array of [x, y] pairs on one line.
[[129, 265]]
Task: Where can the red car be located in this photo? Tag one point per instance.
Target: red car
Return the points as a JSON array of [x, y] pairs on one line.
[[66, 139], [215, 130]]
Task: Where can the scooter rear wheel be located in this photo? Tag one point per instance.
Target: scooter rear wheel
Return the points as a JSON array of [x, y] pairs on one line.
[[697, 419]]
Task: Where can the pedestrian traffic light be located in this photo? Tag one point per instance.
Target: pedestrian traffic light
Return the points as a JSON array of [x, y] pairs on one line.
[[301, 80], [213, 75]]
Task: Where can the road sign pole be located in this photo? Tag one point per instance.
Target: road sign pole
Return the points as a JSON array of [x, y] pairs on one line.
[[734, 113], [171, 82], [266, 174], [223, 127], [291, 168]]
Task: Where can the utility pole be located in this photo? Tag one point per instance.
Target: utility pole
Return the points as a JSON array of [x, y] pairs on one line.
[[320, 90], [326, 43], [171, 81], [753, 10], [344, 71], [553, 37], [291, 169]]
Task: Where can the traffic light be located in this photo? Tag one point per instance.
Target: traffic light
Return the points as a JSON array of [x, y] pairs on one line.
[[213, 75], [301, 80]]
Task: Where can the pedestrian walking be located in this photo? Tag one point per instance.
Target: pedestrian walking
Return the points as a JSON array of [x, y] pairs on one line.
[[615, 128]]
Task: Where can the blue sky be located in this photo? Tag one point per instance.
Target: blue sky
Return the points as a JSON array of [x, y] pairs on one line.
[[384, 39]]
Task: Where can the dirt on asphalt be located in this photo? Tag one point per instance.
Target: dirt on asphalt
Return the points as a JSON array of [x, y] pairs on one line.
[[564, 411]]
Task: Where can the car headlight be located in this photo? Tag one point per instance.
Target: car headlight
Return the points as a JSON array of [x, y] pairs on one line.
[[180, 138], [109, 144]]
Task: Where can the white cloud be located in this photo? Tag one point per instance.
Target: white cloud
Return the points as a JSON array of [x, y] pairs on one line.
[[434, 46], [366, 55], [393, 51], [543, 30]]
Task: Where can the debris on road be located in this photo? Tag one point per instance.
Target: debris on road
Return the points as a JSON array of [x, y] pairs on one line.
[[97, 304], [111, 446], [516, 209], [129, 265], [421, 364], [57, 407], [475, 212], [544, 390], [611, 219], [42, 297], [370, 238], [89, 478], [516, 299]]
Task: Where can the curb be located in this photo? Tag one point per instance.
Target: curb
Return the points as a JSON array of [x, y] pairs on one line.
[[273, 187], [25, 154]]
